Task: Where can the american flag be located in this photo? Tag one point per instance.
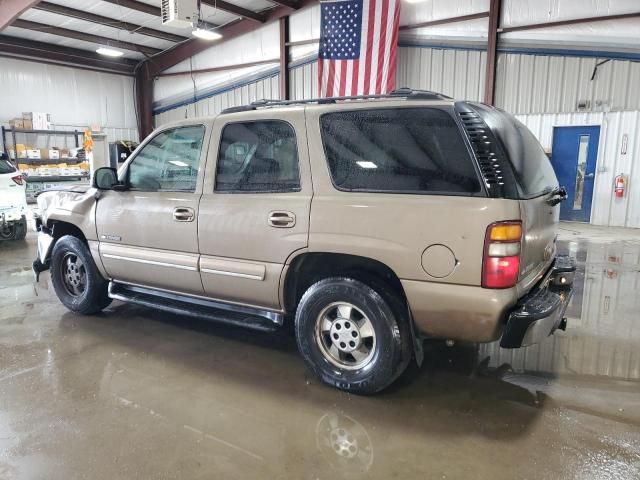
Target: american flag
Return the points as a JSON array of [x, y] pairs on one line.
[[358, 44]]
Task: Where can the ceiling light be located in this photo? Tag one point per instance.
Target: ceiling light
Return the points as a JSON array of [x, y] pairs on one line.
[[109, 52], [206, 34]]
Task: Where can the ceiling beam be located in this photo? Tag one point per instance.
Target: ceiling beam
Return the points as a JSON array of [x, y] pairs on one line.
[[86, 37], [573, 21], [22, 49], [12, 9], [236, 10], [292, 4], [137, 6], [107, 21], [444, 21]]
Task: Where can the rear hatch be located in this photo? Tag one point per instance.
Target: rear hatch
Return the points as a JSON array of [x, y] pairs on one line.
[[12, 192], [529, 178]]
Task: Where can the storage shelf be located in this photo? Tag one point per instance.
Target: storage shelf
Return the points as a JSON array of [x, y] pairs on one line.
[[38, 161], [54, 178], [44, 132]]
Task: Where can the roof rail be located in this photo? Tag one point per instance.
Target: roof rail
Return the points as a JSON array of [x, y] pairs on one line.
[[405, 92]]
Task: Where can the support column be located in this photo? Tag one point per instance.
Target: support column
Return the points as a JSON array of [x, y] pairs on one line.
[[144, 100], [492, 44], [284, 58]]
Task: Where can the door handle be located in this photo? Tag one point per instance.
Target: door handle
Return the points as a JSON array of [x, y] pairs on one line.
[[184, 214], [589, 175], [282, 219]]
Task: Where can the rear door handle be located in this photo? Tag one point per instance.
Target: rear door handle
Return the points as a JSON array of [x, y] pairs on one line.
[[282, 219], [184, 214]]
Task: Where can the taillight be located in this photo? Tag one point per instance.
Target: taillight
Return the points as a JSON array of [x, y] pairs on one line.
[[501, 261], [18, 179]]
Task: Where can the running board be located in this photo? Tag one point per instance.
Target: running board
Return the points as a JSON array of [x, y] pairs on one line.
[[247, 317]]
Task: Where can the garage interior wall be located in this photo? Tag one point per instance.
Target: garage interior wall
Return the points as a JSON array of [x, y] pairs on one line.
[[75, 98], [571, 75]]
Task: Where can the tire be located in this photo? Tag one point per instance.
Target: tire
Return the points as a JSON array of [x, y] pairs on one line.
[[75, 277], [336, 310], [21, 229]]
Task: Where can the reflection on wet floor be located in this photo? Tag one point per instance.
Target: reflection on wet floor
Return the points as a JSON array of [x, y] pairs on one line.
[[134, 393], [603, 332]]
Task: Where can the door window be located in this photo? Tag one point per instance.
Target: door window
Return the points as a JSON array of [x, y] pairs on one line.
[[258, 156], [169, 162]]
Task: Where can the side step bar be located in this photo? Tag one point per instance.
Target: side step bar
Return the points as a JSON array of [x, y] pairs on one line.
[[247, 317]]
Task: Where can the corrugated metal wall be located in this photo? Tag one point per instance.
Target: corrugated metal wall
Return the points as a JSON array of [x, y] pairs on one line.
[[268, 87], [457, 73], [606, 209], [540, 84], [73, 97], [304, 81]]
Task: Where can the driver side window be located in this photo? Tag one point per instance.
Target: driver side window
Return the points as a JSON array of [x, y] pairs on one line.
[[169, 162]]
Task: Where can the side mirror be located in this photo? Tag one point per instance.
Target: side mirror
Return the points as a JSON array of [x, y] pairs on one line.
[[105, 178]]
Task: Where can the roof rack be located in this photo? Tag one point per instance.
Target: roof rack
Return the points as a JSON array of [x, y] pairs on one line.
[[407, 93]]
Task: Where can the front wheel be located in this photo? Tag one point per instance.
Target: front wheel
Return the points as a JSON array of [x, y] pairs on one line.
[[75, 277], [352, 336]]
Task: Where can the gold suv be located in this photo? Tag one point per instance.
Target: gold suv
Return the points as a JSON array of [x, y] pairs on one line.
[[372, 223]]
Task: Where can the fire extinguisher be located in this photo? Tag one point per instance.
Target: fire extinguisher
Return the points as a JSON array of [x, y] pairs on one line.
[[619, 186]]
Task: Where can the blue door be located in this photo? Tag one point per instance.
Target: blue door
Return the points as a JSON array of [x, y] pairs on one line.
[[574, 154]]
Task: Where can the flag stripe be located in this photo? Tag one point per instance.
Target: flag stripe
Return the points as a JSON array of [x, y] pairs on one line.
[[382, 46]]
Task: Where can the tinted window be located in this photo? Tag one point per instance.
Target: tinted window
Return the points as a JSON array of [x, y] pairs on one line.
[[169, 162], [531, 164], [258, 157], [6, 166], [398, 150]]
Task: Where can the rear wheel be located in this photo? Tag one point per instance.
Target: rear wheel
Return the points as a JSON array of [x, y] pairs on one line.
[[75, 277], [352, 336]]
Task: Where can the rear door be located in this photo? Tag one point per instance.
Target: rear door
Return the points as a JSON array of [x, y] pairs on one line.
[[254, 211], [148, 234]]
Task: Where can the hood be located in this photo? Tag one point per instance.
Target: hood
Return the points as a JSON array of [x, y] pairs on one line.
[[78, 199]]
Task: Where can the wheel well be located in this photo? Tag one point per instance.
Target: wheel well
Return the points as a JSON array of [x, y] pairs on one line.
[[309, 268], [60, 229]]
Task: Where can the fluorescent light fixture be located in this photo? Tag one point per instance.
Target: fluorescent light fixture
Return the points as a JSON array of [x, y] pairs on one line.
[[109, 52], [364, 164], [206, 34]]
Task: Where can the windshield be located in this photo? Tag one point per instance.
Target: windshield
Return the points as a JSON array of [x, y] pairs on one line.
[[531, 165]]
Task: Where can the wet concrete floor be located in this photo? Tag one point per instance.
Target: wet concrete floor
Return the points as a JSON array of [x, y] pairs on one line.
[[134, 393]]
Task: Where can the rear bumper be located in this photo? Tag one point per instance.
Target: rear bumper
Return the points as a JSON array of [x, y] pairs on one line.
[[541, 312]]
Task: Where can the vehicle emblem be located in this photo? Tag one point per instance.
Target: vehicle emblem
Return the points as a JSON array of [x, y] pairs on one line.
[[113, 238], [548, 250]]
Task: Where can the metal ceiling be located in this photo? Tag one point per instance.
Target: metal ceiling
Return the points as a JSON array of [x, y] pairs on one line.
[[132, 26]]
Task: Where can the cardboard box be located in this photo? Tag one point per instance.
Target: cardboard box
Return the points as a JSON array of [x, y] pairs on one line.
[[33, 154], [27, 124], [44, 153], [54, 154], [16, 123], [40, 120]]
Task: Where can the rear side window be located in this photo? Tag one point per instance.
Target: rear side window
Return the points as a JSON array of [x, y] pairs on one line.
[[402, 150], [6, 167], [531, 165], [260, 156]]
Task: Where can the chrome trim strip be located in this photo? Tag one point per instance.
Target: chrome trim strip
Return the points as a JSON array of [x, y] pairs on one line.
[[232, 274], [150, 262]]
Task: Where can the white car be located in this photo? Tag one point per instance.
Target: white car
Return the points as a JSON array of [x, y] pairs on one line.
[[13, 203]]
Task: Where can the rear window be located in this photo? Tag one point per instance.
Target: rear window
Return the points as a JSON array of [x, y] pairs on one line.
[[6, 167], [402, 150], [531, 165]]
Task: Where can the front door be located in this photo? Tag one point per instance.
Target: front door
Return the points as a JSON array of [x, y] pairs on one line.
[[254, 211], [574, 154], [148, 233]]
